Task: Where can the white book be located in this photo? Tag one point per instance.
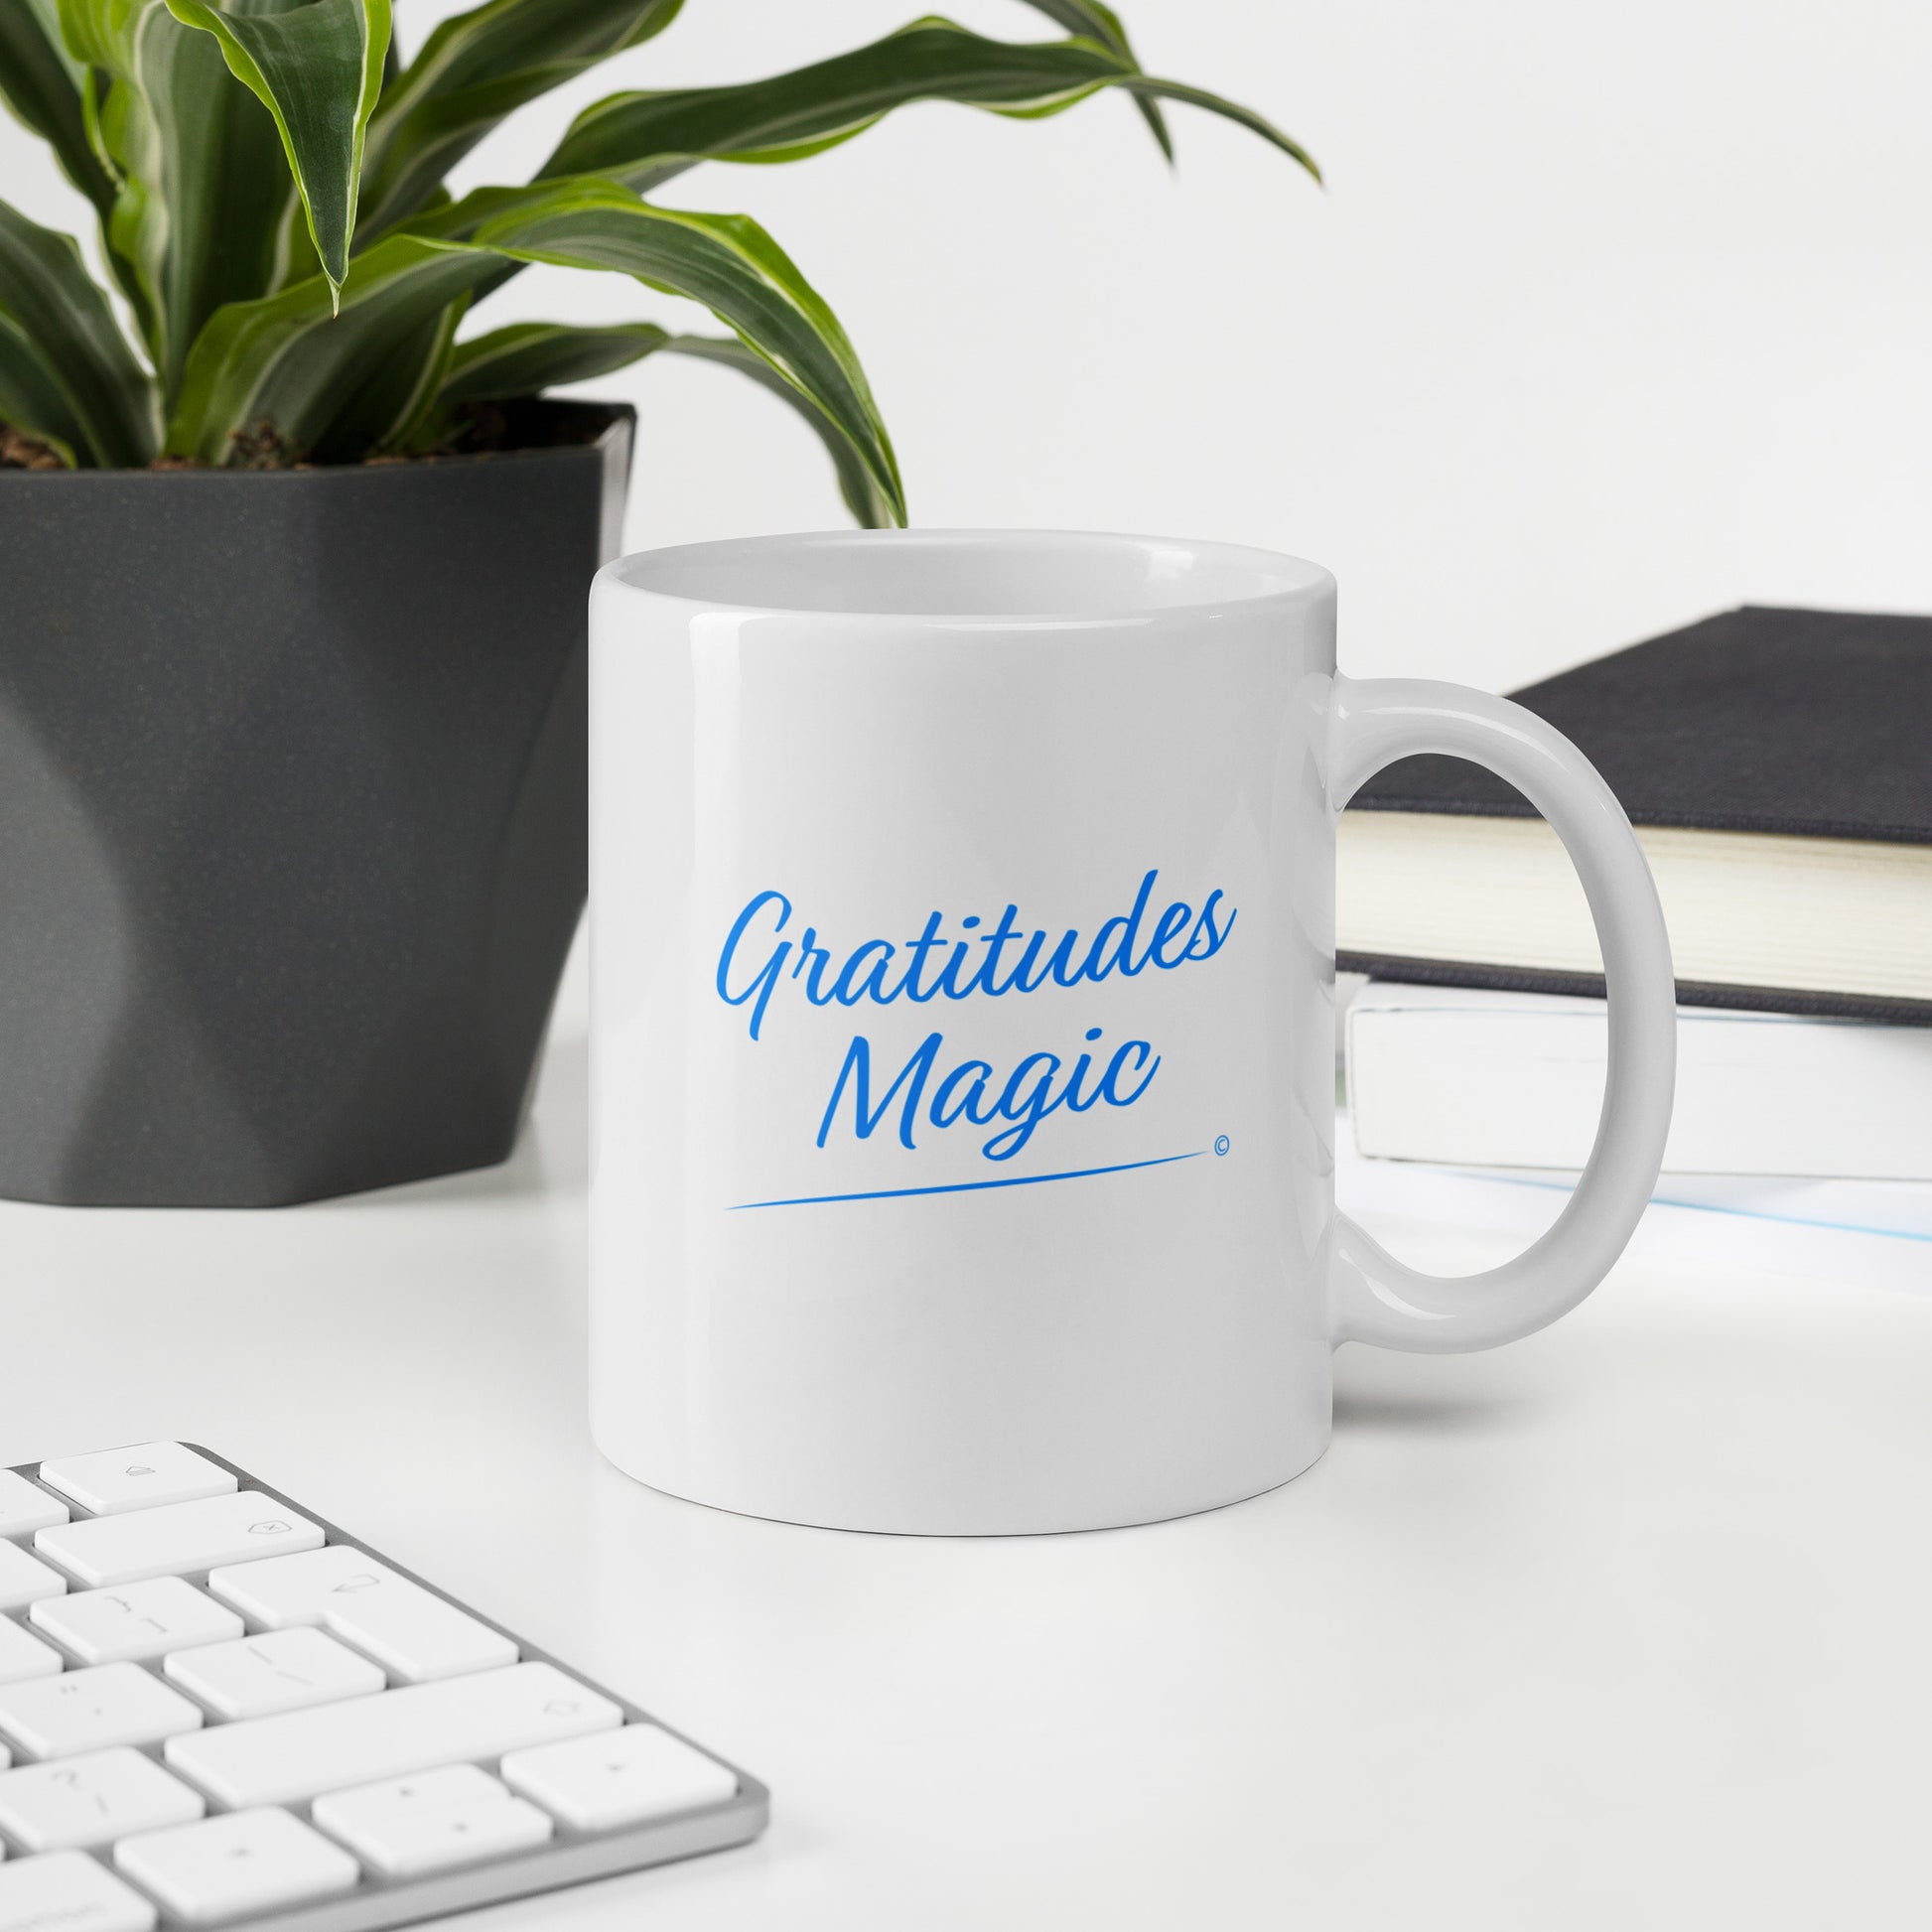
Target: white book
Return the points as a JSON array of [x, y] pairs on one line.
[[1480, 1078], [1851, 918]]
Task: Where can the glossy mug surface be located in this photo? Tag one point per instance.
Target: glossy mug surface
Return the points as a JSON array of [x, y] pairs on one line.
[[962, 1040]]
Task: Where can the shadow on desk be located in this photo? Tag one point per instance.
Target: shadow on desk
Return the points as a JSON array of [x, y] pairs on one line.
[[1383, 1412], [1493, 1392]]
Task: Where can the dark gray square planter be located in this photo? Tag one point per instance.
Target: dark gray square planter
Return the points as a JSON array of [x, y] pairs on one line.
[[292, 814]]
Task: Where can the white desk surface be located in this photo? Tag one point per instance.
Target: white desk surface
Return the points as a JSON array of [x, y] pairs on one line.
[[1630, 1624]]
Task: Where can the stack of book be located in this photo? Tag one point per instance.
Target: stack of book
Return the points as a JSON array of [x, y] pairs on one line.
[[1777, 765]]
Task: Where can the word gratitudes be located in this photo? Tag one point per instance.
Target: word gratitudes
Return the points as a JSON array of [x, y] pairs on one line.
[[760, 955]]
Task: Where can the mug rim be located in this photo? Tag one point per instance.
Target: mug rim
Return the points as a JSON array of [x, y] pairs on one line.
[[1155, 578]]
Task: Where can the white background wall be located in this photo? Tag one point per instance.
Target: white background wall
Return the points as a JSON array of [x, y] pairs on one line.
[[1605, 320]]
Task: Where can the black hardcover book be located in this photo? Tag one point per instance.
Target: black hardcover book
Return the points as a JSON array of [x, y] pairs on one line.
[[1778, 767]]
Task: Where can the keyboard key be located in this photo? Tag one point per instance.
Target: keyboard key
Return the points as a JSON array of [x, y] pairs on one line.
[[177, 1539], [23, 1655], [411, 1631], [113, 1481], [442, 1841], [283, 1670], [138, 1621], [406, 1827], [621, 1778], [92, 1709], [77, 1802], [24, 1580], [24, 1508], [67, 1891], [303, 1753], [456, 1787], [247, 1862]]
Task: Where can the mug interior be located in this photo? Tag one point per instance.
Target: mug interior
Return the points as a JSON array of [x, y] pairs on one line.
[[985, 575]]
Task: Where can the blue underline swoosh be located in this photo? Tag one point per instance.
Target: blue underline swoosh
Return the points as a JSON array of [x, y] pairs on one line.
[[967, 1186]]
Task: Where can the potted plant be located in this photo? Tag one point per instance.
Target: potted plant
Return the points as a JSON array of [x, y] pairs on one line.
[[292, 657]]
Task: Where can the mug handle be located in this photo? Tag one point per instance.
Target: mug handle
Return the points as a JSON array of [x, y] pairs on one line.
[[1375, 1298]]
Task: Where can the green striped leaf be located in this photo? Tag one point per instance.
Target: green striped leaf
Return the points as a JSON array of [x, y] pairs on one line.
[[642, 139], [317, 67], [529, 357], [282, 364], [66, 352], [868, 504], [1147, 86], [399, 409], [32, 400], [299, 368], [206, 211], [725, 262], [40, 83], [1089, 20], [473, 70]]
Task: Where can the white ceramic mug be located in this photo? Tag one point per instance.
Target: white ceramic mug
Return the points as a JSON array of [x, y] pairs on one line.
[[962, 1037]]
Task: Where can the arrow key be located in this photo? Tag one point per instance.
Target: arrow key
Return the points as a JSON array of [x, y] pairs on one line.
[[404, 1827]]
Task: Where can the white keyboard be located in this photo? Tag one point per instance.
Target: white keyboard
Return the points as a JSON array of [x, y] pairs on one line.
[[216, 1709]]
